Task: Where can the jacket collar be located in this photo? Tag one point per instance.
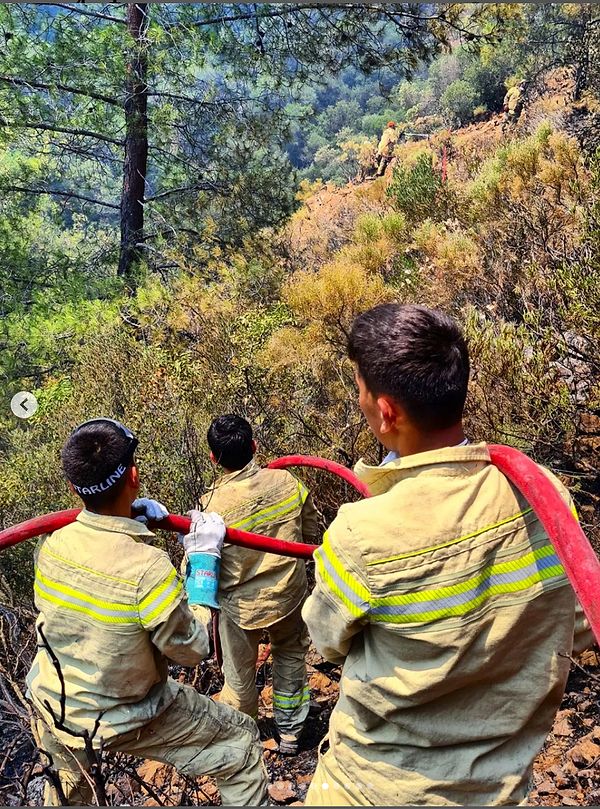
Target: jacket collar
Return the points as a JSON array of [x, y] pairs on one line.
[[452, 460], [120, 525], [241, 474]]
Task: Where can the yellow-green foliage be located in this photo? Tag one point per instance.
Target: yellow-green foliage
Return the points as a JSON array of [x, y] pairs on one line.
[[450, 261], [334, 296]]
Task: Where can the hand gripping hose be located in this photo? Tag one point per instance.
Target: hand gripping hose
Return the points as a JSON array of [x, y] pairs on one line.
[[52, 522], [570, 543]]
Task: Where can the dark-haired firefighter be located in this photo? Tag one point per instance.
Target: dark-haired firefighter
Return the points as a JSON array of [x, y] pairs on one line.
[[112, 610], [440, 595], [261, 591]]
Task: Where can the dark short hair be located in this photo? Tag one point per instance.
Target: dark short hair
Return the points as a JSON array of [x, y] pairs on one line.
[[94, 454], [415, 355], [230, 440]]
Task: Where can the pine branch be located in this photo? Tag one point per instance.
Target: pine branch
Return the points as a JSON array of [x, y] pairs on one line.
[[64, 87], [240, 17], [67, 194], [207, 186], [85, 133], [97, 14]]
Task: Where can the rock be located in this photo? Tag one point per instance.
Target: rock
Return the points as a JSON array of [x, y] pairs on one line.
[[149, 770], [560, 777], [267, 694], [589, 658], [585, 752], [270, 744], [282, 791], [319, 681], [562, 723], [546, 788], [210, 790]]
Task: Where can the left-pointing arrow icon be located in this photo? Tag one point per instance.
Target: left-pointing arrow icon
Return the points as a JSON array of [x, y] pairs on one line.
[[23, 404]]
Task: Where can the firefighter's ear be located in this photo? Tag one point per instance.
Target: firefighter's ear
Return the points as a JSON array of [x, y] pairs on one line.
[[212, 458], [392, 415], [133, 477], [72, 488], [254, 447]]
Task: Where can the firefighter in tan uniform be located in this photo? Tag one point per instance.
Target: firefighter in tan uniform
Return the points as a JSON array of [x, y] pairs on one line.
[[259, 591], [385, 147], [112, 610], [440, 595], [513, 103]]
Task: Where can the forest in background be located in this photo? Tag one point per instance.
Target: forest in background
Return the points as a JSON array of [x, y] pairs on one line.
[[218, 300]]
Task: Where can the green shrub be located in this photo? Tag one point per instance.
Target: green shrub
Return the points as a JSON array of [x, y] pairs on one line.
[[416, 191]]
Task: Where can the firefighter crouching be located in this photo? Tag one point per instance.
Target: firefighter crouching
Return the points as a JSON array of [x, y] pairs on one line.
[[261, 591], [112, 610]]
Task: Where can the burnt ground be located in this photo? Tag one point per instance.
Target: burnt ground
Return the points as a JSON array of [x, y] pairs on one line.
[[566, 773]]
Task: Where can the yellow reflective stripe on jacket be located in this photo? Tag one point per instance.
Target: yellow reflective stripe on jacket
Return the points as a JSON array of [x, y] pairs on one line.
[[272, 513], [347, 587], [161, 597], [450, 542], [302, 492], [109, 612], [518, 575]]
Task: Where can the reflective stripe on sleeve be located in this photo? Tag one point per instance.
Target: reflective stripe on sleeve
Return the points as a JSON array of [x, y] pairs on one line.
[[272, 513], [160, 598], [340, 581]]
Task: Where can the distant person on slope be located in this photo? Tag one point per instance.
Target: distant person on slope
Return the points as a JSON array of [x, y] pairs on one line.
[[385, 148], [513, 103], [440, 595], [261, 591], [112, 610]]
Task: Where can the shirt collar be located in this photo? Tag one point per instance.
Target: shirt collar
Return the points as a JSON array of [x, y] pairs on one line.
[[393, 455], [459, 458], [240, 474], [120, 525]]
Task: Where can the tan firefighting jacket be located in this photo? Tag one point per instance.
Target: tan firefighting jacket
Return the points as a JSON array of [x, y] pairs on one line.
[[512, 99], [258, 589], [450, 611], [112, 608], [388, 140]]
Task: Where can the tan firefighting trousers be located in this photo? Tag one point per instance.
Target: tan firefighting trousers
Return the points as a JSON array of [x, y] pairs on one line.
[[289, 643], [195, 734], [331, 786]]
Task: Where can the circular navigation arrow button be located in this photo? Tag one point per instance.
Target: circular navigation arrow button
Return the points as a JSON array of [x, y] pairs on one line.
[[23, 404]]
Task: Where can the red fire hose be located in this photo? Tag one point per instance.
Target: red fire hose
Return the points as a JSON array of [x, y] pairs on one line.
[[321, 463], [52, 522], [571, 545]]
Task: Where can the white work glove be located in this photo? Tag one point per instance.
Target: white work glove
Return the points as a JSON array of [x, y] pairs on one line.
[[206, 533], [151, 509]]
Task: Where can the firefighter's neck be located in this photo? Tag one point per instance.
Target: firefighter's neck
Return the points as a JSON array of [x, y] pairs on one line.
[[410, 440], [121, 507]]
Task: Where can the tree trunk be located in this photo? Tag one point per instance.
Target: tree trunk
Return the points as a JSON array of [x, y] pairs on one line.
[[136, 141]]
